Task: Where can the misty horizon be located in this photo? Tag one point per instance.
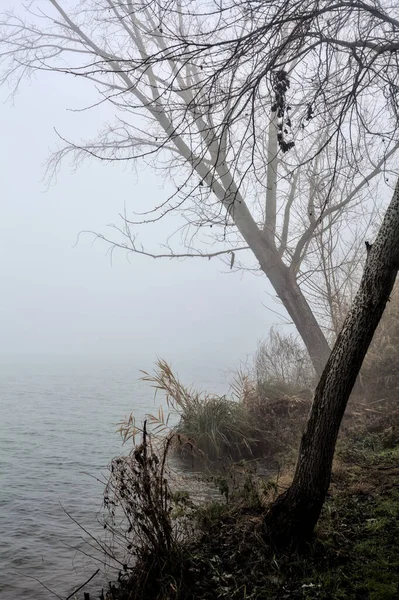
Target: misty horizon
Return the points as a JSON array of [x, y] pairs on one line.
[[65, 297]]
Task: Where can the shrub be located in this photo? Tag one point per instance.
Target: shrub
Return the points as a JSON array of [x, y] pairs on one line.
[[146, 521], [380, 372], [264, 416], [374, 398], [281, 361], [281, 411], [138, 499], [279, 395]]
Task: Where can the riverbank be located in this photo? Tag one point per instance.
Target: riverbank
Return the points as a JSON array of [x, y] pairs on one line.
[[355, 553]]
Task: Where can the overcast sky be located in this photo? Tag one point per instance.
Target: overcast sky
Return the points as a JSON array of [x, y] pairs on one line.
[[58, 298]]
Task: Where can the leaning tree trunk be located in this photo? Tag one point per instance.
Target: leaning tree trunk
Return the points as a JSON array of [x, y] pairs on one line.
[[287, 289], [293, 516], [262, 244], [295, 303]]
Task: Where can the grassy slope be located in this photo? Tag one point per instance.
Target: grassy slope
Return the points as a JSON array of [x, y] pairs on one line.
[[355, 554]]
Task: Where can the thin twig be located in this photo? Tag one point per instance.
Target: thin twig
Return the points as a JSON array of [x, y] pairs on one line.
[[83, 584]]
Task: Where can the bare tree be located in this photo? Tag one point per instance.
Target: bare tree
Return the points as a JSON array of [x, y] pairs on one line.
[[189, 103], [336, 59], [247, 96], [361, 40]]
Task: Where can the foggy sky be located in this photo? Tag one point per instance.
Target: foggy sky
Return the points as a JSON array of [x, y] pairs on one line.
[[62, 299]]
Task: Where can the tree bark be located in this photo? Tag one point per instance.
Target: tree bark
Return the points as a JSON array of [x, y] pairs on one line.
[[295, 303], [293, 516]]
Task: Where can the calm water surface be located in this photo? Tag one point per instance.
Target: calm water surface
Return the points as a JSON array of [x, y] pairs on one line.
[[57, 434]]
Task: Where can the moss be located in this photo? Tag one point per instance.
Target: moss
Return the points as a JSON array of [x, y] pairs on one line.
[[389, 454]]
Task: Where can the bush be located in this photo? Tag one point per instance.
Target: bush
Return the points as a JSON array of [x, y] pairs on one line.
[[264, 416], [281, 361], [380, 372], [138, 491], [146, 521], [281, 412], [280, 395]]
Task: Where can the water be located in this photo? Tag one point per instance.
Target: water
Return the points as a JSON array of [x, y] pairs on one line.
[[57, 434]]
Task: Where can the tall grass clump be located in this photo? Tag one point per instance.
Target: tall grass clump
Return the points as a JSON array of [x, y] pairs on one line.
[[279, 391], [210, 426], [219, 428], [263, 416]]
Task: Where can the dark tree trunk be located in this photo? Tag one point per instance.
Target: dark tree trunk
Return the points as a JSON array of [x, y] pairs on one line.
[[293, 516]]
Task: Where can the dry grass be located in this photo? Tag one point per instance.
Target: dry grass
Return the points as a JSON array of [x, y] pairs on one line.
[[281, 360], [268, 407], [210, 427], [262, 419]]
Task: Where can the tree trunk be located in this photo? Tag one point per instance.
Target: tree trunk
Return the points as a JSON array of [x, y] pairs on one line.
[[295, 303], [293, 516], [287, 289], [262, 244]]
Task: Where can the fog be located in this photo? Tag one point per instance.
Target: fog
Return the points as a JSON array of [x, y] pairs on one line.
[[63, 298]]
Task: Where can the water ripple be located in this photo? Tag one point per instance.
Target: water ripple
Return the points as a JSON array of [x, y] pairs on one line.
[[57, 434], [57, 426]]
